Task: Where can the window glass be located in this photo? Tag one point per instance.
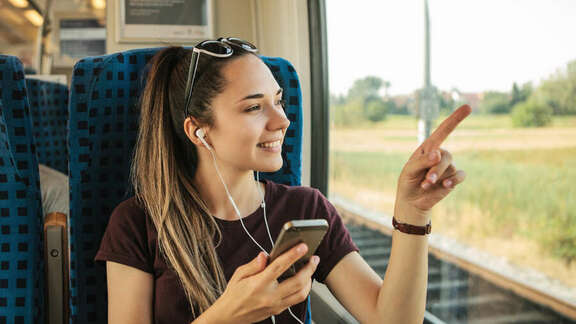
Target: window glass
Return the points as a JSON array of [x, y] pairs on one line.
[[514, 63]]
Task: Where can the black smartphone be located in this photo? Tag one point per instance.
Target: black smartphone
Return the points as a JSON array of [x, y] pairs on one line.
[[309, 231]]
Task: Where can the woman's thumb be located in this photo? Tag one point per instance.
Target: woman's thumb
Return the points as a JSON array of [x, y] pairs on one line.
[[258, 264], [417, 167]]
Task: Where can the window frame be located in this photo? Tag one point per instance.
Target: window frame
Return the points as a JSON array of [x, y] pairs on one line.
[[320, 119]]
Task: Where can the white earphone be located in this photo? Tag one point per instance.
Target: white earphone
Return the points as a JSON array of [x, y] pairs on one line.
[[200, 134]]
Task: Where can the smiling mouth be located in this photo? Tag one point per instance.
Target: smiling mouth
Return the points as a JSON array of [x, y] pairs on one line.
[[270, 144]]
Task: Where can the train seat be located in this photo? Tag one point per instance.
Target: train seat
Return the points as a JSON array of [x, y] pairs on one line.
[[49, 108], [103, 127], [21, 262]]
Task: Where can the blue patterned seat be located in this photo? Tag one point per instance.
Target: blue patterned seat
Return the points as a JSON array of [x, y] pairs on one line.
[[21, 263], [49, 109], [103, 129]]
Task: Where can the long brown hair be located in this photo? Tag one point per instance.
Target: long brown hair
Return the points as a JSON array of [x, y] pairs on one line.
[[163, 170]]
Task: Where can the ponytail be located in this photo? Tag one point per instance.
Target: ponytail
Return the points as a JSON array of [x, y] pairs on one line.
[[162, 175]]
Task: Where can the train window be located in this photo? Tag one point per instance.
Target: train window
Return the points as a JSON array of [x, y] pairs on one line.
[[514, 63]]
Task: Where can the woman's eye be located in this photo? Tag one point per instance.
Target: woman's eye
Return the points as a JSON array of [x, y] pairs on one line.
[[282, 103], [256, 107]]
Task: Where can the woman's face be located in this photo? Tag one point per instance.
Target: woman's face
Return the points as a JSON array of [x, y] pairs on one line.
[[247, 114]]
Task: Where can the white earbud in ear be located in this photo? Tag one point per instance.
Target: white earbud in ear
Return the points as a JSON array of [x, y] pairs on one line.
[[200, 134]]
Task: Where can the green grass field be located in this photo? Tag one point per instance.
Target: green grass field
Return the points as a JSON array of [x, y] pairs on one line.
[[476, 121], [520, 182]]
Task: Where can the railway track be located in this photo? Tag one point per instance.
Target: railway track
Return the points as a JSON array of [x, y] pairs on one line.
[[459, 292]]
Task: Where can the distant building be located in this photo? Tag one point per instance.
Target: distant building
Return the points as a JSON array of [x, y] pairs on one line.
[[460, 98], [402, 100], [472, 99]]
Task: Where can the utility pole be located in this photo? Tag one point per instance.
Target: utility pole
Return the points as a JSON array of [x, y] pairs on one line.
[[428, 105]]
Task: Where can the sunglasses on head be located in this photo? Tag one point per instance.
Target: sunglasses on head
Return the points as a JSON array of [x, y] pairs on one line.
[[221, 48]]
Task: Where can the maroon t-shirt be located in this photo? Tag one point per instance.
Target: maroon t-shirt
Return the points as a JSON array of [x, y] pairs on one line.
[[131, 239]]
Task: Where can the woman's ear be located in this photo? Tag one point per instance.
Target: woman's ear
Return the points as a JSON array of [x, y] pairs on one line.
[[190, 126]]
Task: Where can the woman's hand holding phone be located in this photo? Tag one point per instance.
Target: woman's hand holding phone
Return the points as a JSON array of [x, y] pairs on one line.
[[254, 293]]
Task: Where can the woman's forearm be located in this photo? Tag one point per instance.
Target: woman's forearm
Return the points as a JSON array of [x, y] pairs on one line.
[[426, 179], [213, 315], [402, 297]]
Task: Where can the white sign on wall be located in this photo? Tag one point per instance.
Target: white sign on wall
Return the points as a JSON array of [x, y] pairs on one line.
[[154, 20], [79, 38]]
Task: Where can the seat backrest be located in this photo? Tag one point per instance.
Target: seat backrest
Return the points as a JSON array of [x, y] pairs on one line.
[[49, 110], [21, 262], [103, 128]]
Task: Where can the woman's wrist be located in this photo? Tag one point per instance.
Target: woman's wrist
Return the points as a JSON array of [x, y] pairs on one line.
[[411, 229], [409, 215], [215, 314]]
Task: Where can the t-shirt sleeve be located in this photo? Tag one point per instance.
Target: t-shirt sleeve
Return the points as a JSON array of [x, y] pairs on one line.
[[337, 242], [125, 239]]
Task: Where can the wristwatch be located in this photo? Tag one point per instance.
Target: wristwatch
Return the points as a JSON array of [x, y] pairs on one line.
[[412, 229]]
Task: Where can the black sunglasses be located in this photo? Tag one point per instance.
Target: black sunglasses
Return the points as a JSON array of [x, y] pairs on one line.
[[221, 48]]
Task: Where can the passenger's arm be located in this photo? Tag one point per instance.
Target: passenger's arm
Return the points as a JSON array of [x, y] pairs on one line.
[[400, 298], [427, 178], [130, 297], [359, 296], [129, 294]]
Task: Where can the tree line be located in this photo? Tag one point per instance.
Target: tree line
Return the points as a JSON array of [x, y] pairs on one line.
[[367, 101]]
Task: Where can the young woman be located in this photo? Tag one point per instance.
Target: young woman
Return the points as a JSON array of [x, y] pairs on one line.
[[187, 247]]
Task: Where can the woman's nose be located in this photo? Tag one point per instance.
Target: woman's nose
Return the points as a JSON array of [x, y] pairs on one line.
[[278, 119]]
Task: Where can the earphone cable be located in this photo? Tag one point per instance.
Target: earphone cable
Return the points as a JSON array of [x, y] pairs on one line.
[[273, 318], [264, 207], [234, 204]]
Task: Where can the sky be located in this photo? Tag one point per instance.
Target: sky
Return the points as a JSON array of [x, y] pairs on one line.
[[476, 45]]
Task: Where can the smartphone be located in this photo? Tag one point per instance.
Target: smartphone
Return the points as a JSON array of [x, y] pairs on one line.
[[309, 231]]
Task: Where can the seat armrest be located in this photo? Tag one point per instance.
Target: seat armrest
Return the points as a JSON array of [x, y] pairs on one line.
[[326, 308], [56, 257]]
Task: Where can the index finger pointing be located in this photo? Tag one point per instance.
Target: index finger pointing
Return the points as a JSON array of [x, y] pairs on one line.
[[448, 125]]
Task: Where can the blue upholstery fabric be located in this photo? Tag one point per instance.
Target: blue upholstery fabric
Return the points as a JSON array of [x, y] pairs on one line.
[[291, 172], [308, 319], [49, 109], [21, 262], [103, 128]]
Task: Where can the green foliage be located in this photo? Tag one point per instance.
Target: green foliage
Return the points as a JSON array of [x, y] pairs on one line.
[[365, 88], [528, 190], [531, 113], [559, 235], [348, 114], [363, 104], [559, 91], [395, 109], [445, 103], [375, 109], [520, 94], [495, 102]]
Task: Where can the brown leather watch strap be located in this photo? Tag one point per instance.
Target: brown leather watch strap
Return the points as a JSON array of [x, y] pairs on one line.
[[412, 229]]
